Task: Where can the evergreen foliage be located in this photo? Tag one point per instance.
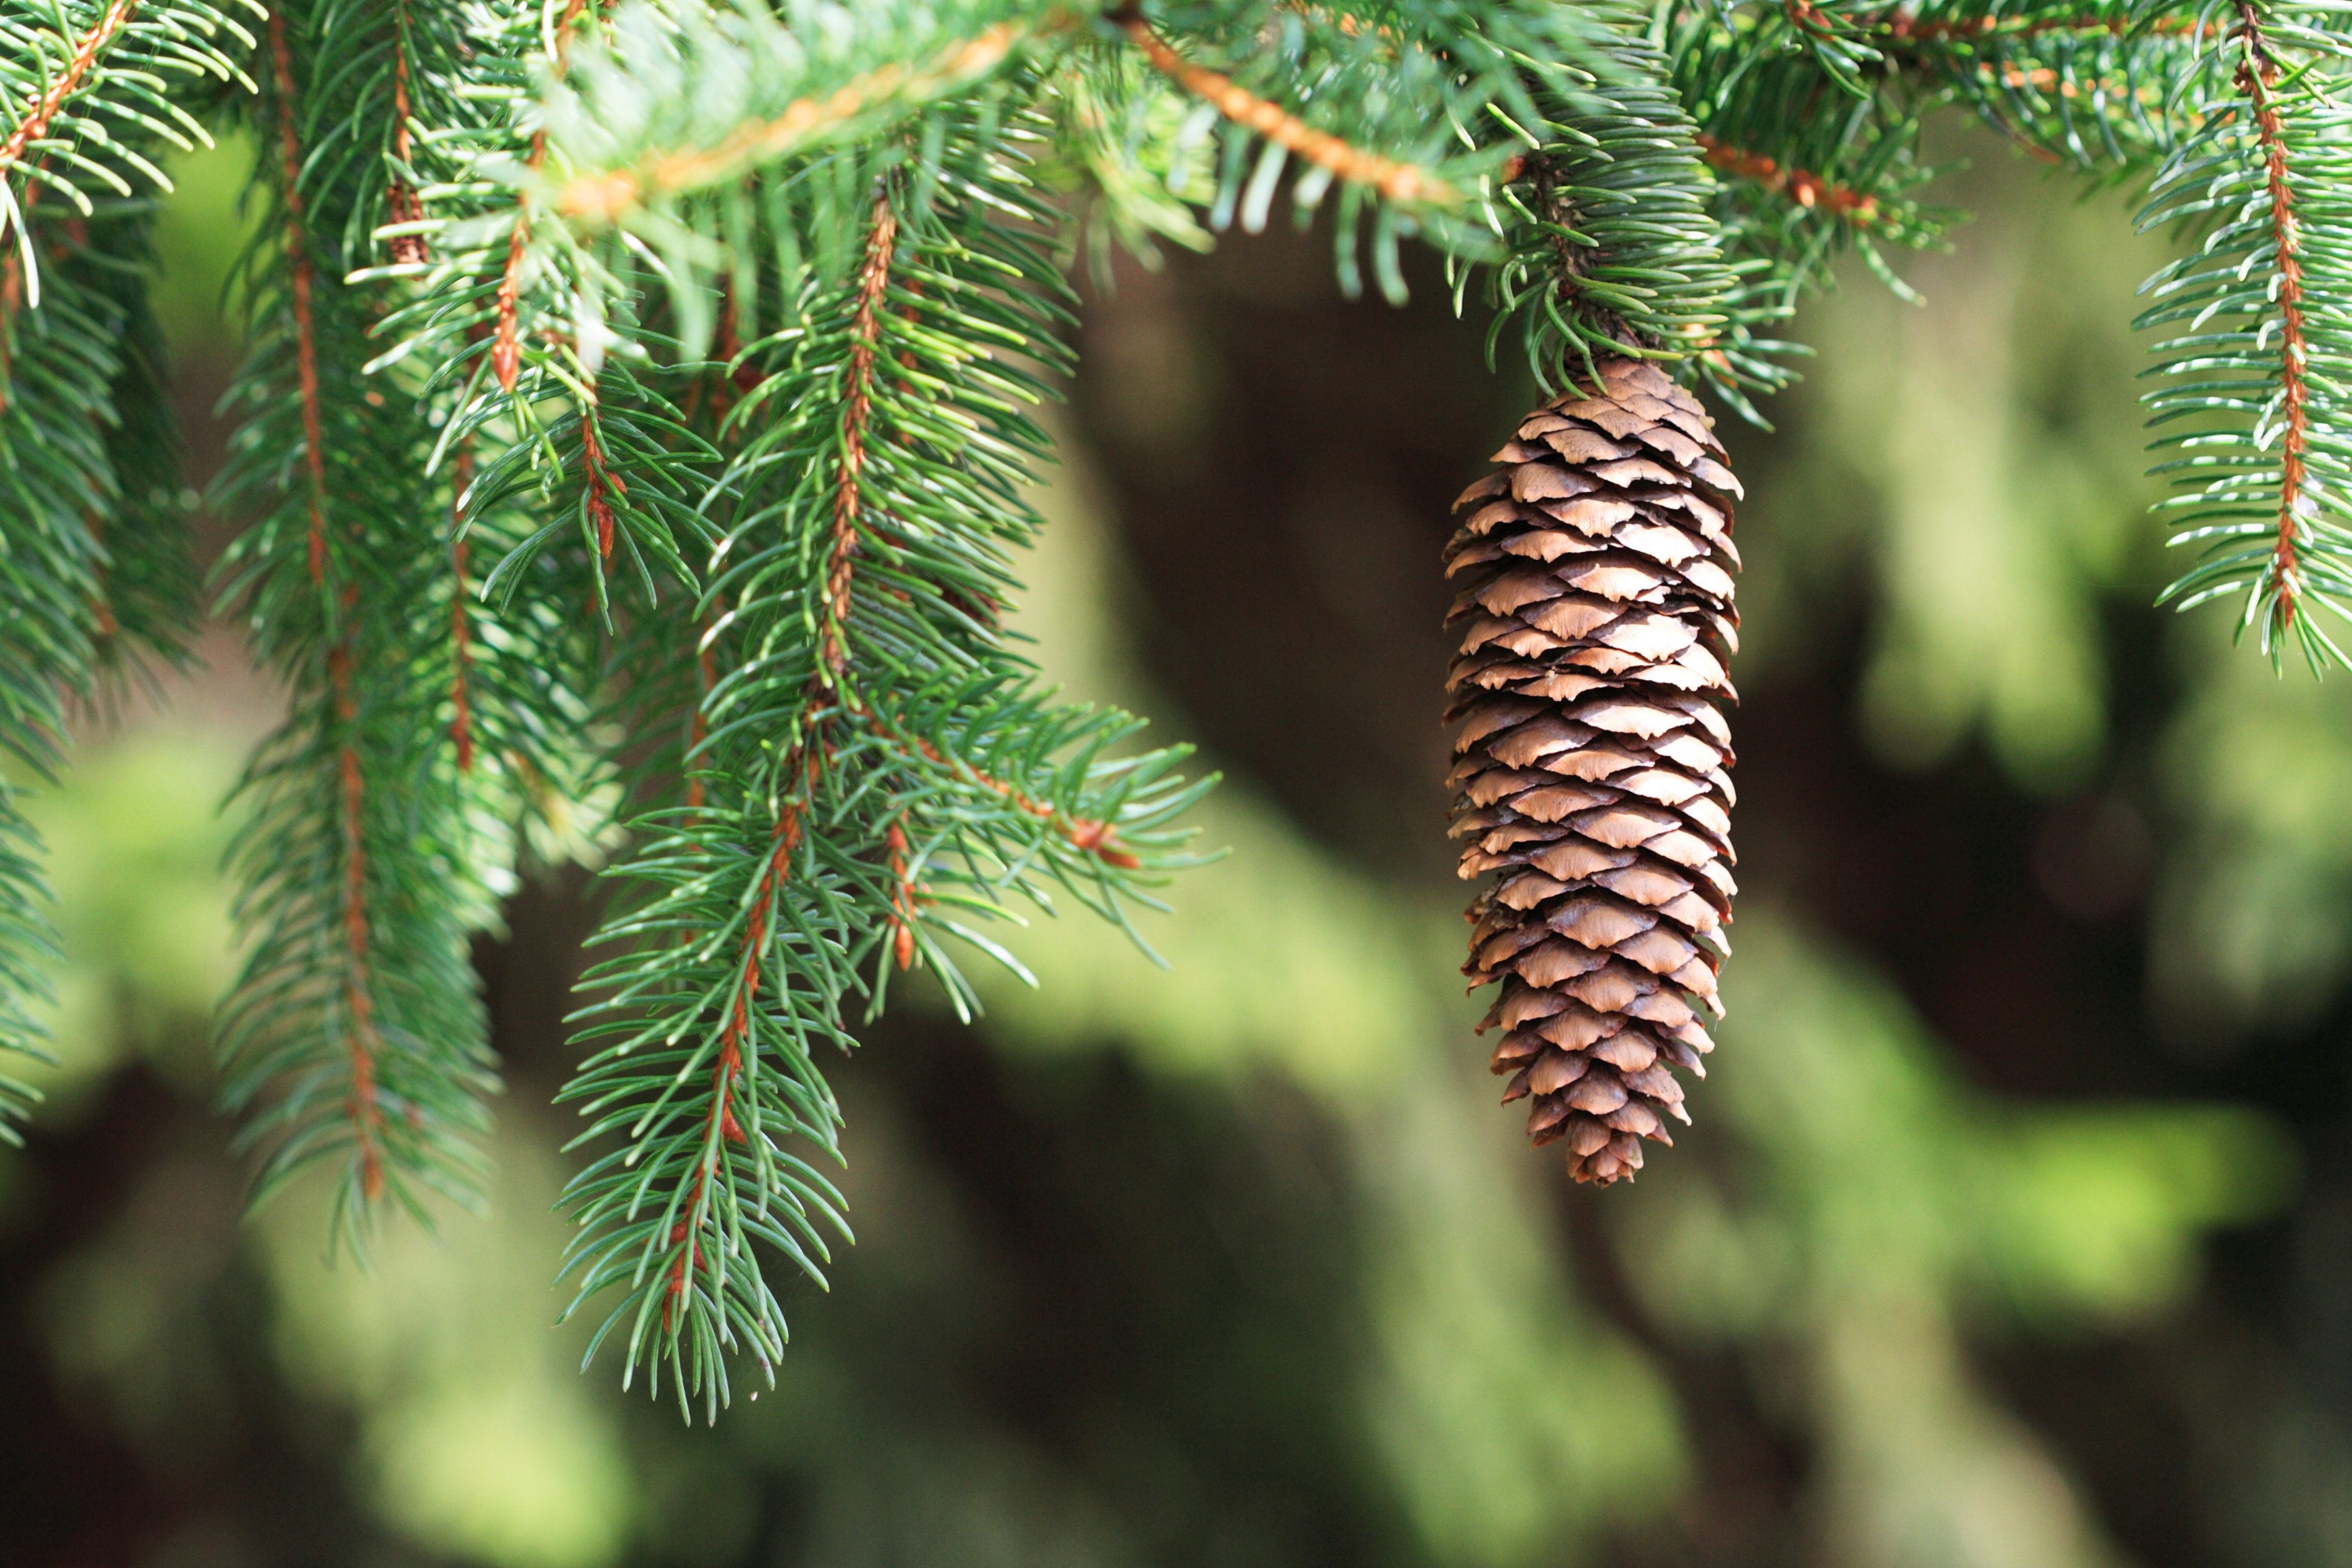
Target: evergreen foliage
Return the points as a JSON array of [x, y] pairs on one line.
[[637, 424]]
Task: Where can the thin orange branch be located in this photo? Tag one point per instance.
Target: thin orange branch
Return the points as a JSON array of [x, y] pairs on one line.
[[37, 117], [1806, 189], [857, 407], [1906, 28], [603, 483], [1097, 838], [365, 1110], [2258, 75], [306, 353], [610, 197], [721, 1126], [903, 897], [1397, 181], [506, 348], [402, 201]]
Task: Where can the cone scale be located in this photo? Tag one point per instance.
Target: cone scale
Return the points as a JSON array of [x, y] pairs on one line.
[[1592, 775]]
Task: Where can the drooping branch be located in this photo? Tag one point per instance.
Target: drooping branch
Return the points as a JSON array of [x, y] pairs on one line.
[[721, 1125], [365, 1110], [2257, 77], [1399, 181]]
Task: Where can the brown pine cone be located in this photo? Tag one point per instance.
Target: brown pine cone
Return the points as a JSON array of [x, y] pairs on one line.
[[1597, 615]]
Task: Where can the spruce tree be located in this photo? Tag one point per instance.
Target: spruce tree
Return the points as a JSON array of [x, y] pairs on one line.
[[636, 435]]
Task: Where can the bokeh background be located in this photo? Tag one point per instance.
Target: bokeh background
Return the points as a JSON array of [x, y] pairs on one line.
[[2016, 1230]]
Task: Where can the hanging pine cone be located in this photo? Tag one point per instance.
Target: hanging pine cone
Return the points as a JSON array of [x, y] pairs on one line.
[[1597, 613]]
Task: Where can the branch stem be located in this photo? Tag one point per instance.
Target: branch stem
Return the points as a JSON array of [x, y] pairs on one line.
[[2258, 77], [611, 195], [36, 119], [1399, 181], [1806, 189], [365, 1110], [856, 413]]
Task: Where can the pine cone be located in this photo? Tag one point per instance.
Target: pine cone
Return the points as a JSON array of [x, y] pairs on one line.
[[1597, 613]]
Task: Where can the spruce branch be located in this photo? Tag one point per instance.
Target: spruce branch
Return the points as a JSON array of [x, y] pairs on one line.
[[92, 86], [149, 595], [633, 125], [1802, 186], [867, 773], [1398, 181], [1608, 245], [60, 370], [354, 1036], [40, 114], [2251, 407], [856, 414], [2258, 75]]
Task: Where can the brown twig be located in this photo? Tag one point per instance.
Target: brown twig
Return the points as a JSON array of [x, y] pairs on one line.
[[402, 201], [610, 197], [857, 407], [364, 1108], [721, 1127], [506, 346], [1397, 181], [1905, 28], [2258, 75], [1806, 189], [1099, 839], [44, 109], [903, 896], [603, 483]]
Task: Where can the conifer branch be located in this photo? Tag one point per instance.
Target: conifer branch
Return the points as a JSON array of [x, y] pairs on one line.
[[864, 770], [60, 369], [856, 409], [38, 115], [401, 204], [91, 89], [1398, 181], [1905, 27], [2251, 412], [300, 277], [1609, 249], [354, 1036], [506, 350], [1806, 189], [2257, 76], [660, 173]]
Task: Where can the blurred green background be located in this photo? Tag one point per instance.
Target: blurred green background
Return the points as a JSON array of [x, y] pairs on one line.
[[2015, 1232]]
